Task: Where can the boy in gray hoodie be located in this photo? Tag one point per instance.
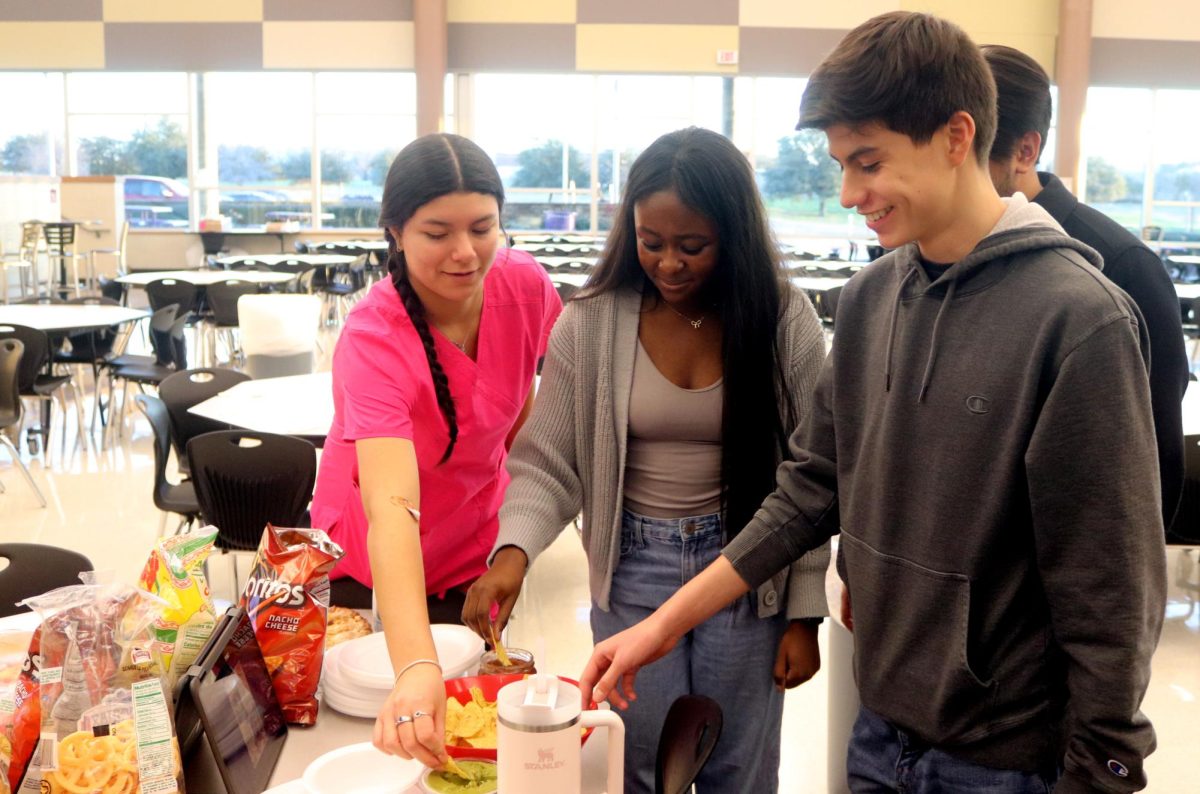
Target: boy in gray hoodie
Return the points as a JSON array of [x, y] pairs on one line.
[[982, 438]]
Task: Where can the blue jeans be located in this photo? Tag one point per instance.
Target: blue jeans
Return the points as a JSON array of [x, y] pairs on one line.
[[883, 758], [728, 658]]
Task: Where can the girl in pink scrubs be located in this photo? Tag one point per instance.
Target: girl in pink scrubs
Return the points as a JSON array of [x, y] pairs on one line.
[[432, 376]]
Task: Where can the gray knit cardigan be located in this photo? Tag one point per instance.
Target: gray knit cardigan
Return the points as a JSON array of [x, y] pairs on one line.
[[570, 455]]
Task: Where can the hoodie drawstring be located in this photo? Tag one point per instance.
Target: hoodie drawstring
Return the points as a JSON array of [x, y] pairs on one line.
[[891, 343], [933, 342]]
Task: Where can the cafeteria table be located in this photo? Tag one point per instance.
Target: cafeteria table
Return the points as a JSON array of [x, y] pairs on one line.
[[1191, 409], [1187, 291], [315, 260], [66, 317], [811, 284], [295, 405], [202, 278], [334, 730]]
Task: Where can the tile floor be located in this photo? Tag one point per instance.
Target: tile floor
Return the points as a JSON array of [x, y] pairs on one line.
[[99, 504]]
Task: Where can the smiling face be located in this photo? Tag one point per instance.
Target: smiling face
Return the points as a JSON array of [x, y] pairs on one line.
[[677, 247], [449, 244], [903, 190]]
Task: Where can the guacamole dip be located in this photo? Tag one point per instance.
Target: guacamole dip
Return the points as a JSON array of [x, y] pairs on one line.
[[447, 783]]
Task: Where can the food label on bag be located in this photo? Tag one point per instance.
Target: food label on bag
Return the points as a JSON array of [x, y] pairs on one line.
[[7, 704], [155, 749], [50, 675], [46, 754]]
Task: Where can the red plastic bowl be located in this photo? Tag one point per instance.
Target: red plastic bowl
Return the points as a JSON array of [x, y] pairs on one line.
[[460, 690]]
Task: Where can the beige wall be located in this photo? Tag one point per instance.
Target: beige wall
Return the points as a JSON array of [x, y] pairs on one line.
[[772, 36]]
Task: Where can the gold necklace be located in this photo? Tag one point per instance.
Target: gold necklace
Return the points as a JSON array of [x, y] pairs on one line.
[[695, 323]]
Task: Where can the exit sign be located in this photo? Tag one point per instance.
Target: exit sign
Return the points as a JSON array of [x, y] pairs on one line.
[[727, 57]]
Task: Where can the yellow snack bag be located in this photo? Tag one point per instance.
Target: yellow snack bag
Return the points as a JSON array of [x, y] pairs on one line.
[[175, 573]]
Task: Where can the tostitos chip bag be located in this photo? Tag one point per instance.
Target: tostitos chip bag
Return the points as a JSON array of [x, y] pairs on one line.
[[175, 573], [287, 597]]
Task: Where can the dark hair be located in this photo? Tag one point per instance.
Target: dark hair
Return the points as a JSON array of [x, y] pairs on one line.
[[910, 72], [1022, 98], [428, 168], [713, 178]]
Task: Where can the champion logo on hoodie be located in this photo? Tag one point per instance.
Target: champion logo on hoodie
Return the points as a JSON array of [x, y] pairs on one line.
[[978, 404]]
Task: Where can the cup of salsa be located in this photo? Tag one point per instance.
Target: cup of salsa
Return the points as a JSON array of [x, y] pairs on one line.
[[520, 661]]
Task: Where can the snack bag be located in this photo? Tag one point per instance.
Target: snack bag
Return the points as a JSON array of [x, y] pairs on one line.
[[92, 712], [10, 669], [175, 573], [286, 597]]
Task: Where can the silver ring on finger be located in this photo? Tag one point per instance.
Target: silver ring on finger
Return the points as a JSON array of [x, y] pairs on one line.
[[417, 714], [403, 720]]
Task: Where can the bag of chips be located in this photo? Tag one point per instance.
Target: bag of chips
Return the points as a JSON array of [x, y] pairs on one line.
[[287, 597], [175, 573], [92, 713]]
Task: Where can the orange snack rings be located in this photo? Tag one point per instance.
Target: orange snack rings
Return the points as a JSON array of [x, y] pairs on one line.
[[287, 597]]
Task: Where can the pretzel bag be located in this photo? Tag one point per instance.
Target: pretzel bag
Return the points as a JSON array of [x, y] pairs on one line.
[[287, 598], [175, 573], [92, 715]]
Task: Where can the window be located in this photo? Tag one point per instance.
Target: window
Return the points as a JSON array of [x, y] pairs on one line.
[[363, 119], [133, 124], [255, 147], [31, 125], [1117, 130]]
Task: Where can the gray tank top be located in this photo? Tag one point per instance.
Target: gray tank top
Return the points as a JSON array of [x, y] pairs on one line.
[[673, 454]]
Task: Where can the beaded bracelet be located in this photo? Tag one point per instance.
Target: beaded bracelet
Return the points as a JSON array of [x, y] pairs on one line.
[[413, 664]]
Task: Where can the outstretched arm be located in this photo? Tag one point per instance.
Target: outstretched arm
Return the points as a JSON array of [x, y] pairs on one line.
[[614, 665]]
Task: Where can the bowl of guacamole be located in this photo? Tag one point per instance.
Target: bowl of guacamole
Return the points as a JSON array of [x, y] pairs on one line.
[[437, 781]]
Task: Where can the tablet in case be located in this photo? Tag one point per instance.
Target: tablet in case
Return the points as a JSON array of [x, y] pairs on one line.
[[227, 697]]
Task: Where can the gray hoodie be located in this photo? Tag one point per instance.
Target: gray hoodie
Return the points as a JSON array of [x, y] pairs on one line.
[[984, 444]]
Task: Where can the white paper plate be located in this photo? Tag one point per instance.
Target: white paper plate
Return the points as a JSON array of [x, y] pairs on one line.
[[364, 661], [351, 708], [290, 787], [361, 769]]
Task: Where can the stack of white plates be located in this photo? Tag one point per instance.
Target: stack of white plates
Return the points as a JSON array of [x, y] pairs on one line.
[[358, 674]]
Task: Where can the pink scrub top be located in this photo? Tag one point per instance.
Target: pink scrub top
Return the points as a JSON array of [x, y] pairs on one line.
[[382, 388]]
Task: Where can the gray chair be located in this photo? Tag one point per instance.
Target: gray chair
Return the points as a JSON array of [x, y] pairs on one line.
[[11, 350]]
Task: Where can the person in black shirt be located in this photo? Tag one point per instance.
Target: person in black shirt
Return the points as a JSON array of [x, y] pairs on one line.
[[1023, 94]]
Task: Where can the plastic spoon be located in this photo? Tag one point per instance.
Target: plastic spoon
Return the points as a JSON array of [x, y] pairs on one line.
[[501, 654]]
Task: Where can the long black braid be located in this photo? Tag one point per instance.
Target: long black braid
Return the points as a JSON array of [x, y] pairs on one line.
[[416, 312], [429, 167]]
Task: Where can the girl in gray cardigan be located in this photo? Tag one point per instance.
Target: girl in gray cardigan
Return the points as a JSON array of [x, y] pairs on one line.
[[670, 387]]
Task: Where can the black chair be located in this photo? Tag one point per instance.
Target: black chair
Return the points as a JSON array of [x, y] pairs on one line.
[[170, 355], [60, 244], [165, 291], [827, 302], [10, 405], [222, 314], [245, 480], [168, 497], [689, 735], [33, 569], [90, 348], [181, 390], [33, 380]]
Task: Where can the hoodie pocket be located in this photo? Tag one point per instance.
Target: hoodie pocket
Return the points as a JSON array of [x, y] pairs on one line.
[[910, 638]]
